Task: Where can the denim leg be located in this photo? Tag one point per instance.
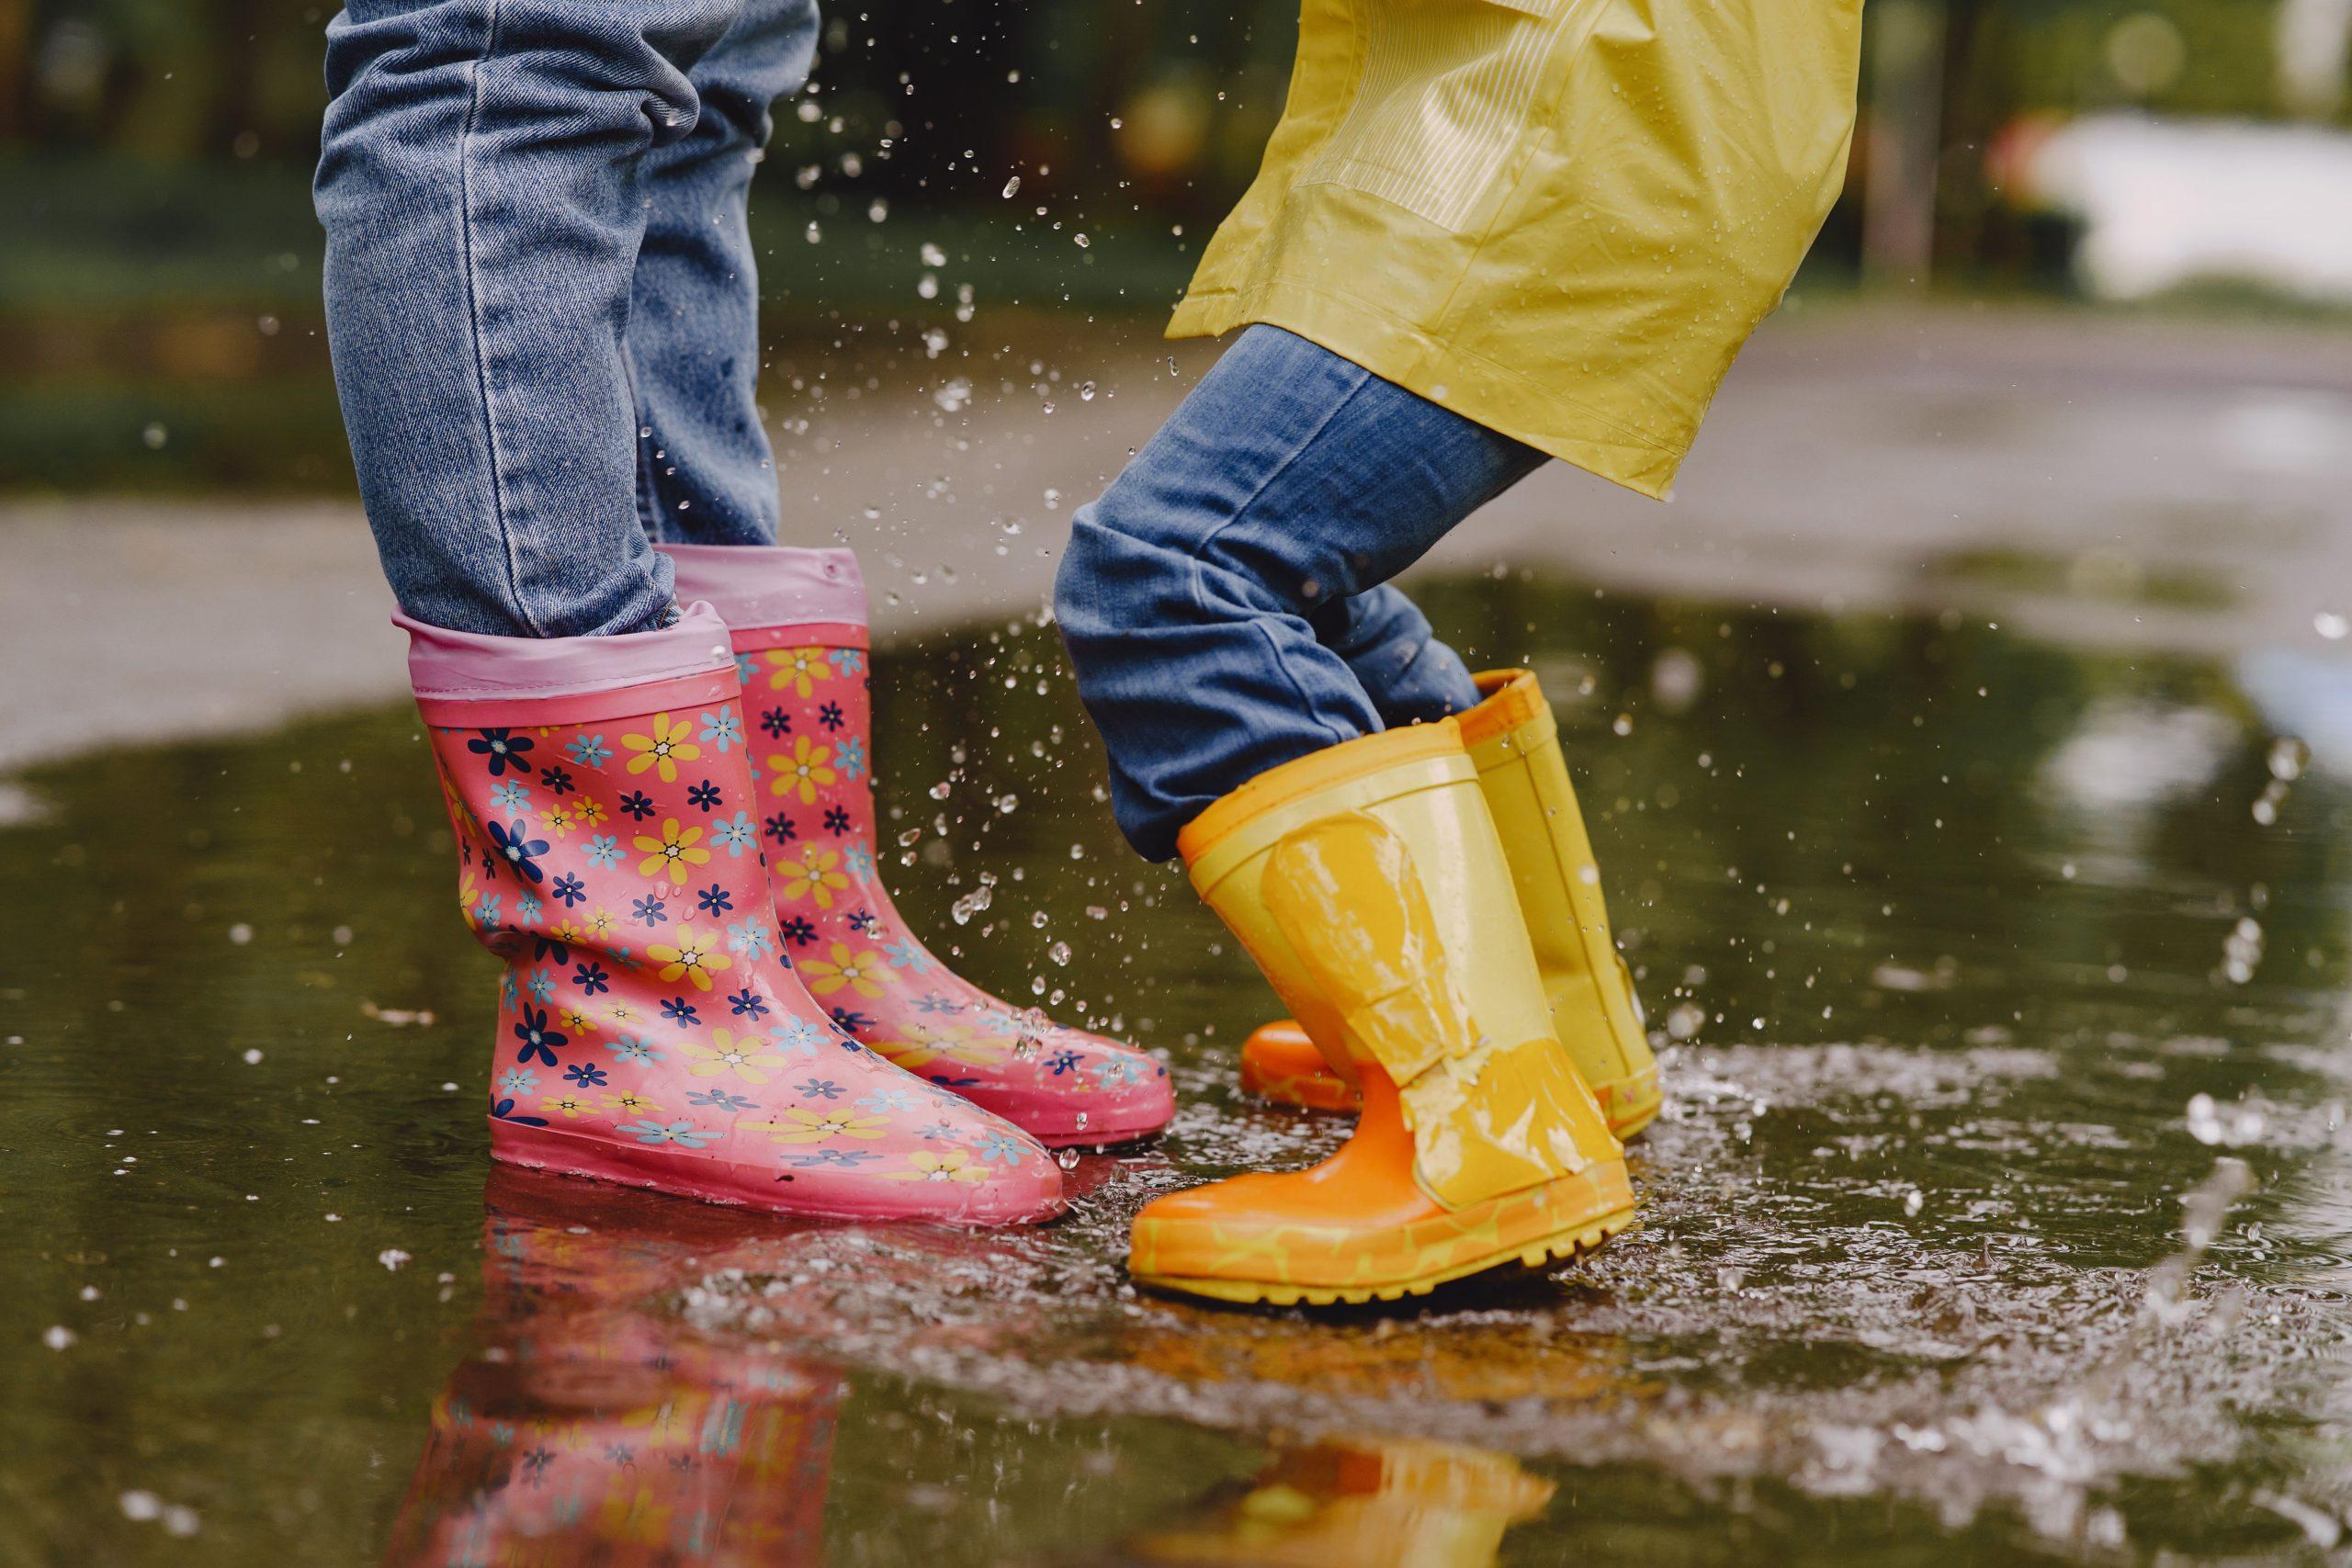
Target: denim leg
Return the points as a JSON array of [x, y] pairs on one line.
[[480, 181], [705, 475], [1389, 647], [1289, 482]]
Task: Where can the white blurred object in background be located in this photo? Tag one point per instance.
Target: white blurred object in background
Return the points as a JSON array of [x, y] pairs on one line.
[[2168, 202], [2313, 40]]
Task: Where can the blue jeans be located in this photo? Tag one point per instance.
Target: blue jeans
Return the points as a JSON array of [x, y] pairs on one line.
[[541, 298], [1226, 603]]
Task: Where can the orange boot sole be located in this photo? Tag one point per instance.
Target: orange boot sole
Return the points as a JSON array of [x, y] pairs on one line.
[[1357, 1228]]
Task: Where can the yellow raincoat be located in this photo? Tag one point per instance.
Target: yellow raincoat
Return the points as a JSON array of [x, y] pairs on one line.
[[1559, 218]]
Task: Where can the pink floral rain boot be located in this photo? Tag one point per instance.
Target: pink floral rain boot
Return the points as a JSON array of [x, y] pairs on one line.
[[797, 618], [649, 1032]]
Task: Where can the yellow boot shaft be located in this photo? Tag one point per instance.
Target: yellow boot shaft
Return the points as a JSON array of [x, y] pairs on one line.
[[1369, 885], [1514, 746], [1515, 743], [1421, 785]]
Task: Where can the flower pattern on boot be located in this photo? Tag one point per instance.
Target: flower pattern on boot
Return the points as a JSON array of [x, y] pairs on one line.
[[807, 690], [650, 1028]]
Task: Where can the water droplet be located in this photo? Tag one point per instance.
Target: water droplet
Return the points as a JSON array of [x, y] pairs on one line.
[[971, 904], [1013, 186]]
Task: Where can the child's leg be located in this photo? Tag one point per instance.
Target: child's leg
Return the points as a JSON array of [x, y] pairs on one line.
[[1389, 647], [1287, 484], [705, 475], [482, 184]]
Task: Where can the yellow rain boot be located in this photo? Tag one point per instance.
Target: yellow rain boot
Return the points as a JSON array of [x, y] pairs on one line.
[[1368, 883], [1516, 745]]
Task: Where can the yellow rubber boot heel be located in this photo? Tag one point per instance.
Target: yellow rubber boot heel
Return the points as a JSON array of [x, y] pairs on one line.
[[1281, 1064]]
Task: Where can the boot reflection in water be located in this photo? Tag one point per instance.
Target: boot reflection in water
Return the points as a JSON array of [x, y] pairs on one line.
[[592, 1427], [1369, 1502]]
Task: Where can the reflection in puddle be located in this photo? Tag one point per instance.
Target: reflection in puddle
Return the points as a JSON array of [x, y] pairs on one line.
[[1969, 960], [590, 1427], [593, 1424], [1380, 1502]]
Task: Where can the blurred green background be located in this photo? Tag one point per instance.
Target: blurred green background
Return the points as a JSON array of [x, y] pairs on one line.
[[159, 316]]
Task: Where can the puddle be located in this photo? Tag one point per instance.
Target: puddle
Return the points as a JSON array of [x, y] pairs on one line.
[[1998, 1212]]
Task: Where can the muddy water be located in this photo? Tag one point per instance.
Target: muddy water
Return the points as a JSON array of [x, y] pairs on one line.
[[1997, 1212]]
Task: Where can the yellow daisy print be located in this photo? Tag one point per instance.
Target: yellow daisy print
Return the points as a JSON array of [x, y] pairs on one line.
[[664, 749], [864, 973], [800, 1126], [803, 771], [629, 1102], [674, 852], [799, 668], [689, 955], [569, 1106], [956, 1164], [561, 822], [725, 1053], [813, 876], [919, 1046]]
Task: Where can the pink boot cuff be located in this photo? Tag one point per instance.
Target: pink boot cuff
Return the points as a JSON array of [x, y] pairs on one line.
[[757, 586], [467, 678]]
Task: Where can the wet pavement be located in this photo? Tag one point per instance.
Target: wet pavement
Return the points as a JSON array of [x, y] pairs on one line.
[[1999, 1212]]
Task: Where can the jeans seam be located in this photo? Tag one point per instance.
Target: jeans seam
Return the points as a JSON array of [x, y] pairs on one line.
[[649, 510], [1305, 702], [474, 318]]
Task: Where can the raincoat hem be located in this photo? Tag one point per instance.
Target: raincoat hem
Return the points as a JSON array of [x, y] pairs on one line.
[[1362, 333]]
